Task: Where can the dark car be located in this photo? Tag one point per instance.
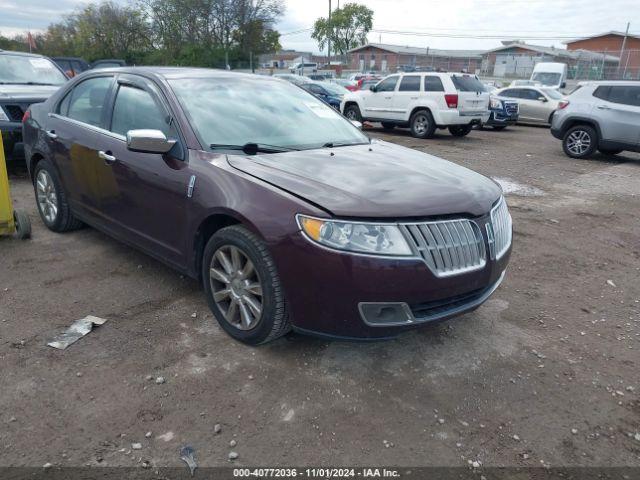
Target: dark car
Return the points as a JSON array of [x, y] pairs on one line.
[[72, 66], [327, 92], [502, 113], [108, 63], [289, 215], [24, 79]]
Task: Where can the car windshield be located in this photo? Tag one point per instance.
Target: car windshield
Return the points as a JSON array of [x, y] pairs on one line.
[[467, 83], [334, 89], [546, 78], [551, 93], [21, 69], [238, 110]]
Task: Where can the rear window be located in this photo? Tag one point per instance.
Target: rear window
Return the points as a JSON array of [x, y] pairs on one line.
[[467, 83], [601, 92]]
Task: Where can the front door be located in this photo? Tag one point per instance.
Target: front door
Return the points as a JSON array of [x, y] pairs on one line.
[[406, 96], [148, 204], [379, 104]]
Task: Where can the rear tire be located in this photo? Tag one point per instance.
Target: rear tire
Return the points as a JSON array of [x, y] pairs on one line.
[[228, 282], [52, 200], [422, 124], [460, 130], [388, 126], [352, 112], [580, 141], [610, 151]]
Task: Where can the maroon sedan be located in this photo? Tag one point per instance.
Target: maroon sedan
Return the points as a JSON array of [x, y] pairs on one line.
[[289, 215]]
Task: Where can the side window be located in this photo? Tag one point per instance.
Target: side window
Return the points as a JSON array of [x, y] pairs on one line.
[[433, 84], [601, 92], [134, 109], [509, 93], [388, 84], [626, 95], [87, 100], [410, 83]]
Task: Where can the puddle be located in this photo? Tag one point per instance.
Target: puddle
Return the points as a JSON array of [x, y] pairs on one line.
[[510, 187]]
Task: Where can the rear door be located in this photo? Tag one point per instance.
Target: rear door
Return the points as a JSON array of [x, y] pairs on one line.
[[408, 93], [73, 133], [472, 97], [618, 112]]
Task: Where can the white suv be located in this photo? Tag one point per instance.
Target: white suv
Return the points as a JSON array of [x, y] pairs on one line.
[[423, 102]]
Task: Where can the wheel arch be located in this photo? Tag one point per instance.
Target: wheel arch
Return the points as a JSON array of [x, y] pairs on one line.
[[417, 108], [574, 121]]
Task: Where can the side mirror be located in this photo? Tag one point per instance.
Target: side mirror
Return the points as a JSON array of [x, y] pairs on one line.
[[356, 124], [373, 88], [148, 141], [563, 85], [542, 99]]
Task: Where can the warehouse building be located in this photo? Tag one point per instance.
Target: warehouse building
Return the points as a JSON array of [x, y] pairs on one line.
[[622, 45]]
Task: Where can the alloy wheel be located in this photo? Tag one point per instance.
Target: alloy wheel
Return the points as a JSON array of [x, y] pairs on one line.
[[236, 287], [420, 124], [578, 142], [46, 195]]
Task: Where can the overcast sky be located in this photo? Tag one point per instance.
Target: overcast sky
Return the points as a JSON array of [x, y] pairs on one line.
[[481, 18]]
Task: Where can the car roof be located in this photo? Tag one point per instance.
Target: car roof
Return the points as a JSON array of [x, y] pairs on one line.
[[21, 54], [623, 83]]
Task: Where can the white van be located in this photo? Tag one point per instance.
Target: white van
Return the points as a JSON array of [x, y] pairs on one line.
[[550, 74]]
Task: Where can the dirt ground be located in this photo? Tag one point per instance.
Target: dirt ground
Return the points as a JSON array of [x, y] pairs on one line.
[[545, 373]]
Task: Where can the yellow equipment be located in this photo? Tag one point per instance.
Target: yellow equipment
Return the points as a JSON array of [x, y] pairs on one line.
[[11, 221]]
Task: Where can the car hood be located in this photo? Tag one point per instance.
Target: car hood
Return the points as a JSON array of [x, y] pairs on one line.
[[20, 93], [381, 180]]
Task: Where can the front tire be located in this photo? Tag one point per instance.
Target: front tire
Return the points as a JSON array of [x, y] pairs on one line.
[[52, 200], [243, 288], [352, 112], [460, 130], [422, 124], [580, 141]]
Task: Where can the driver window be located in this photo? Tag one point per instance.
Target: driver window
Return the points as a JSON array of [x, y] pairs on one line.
[[136, 109], [387, 85]]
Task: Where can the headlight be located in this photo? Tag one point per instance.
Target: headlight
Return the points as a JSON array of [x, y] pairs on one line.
[[495, 103], [3, 116], [371, 238]]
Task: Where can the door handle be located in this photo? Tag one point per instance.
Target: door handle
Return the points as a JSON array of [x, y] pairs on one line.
[[388, 98], [51, 134], [108, 159], [603, 107]]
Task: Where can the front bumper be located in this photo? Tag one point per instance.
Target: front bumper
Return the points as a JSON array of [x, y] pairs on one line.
[[500, 118], [329, 292]]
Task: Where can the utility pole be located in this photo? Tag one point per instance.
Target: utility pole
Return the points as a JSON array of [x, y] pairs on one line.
[[329, 39], [624, 43]]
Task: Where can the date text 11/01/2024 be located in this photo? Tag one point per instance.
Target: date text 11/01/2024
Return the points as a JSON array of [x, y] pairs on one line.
[[336, 473]]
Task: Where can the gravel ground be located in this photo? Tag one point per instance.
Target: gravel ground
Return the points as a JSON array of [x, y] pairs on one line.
[[545, 373]]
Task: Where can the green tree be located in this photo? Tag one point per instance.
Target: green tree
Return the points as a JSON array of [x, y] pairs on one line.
[[347, 29]]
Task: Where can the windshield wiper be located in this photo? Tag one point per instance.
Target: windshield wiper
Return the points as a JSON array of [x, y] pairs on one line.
[[27, 83], [341, 144], [253, 148]]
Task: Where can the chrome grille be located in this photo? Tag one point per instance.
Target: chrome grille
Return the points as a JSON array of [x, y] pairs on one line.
[[499, 231], [448, 247]]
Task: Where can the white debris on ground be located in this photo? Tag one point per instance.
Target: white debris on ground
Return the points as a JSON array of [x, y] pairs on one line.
[[511, 187]]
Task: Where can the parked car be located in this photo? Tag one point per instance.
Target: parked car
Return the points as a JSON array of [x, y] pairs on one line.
[[24, 79], [537, 104], [343, 82], [108, 63], [71, 66], [329, 93], [422, 102], [289, 215], [502, 113], [599, 115]]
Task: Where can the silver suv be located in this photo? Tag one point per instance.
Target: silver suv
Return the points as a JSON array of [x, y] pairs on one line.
[[599, 115]]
